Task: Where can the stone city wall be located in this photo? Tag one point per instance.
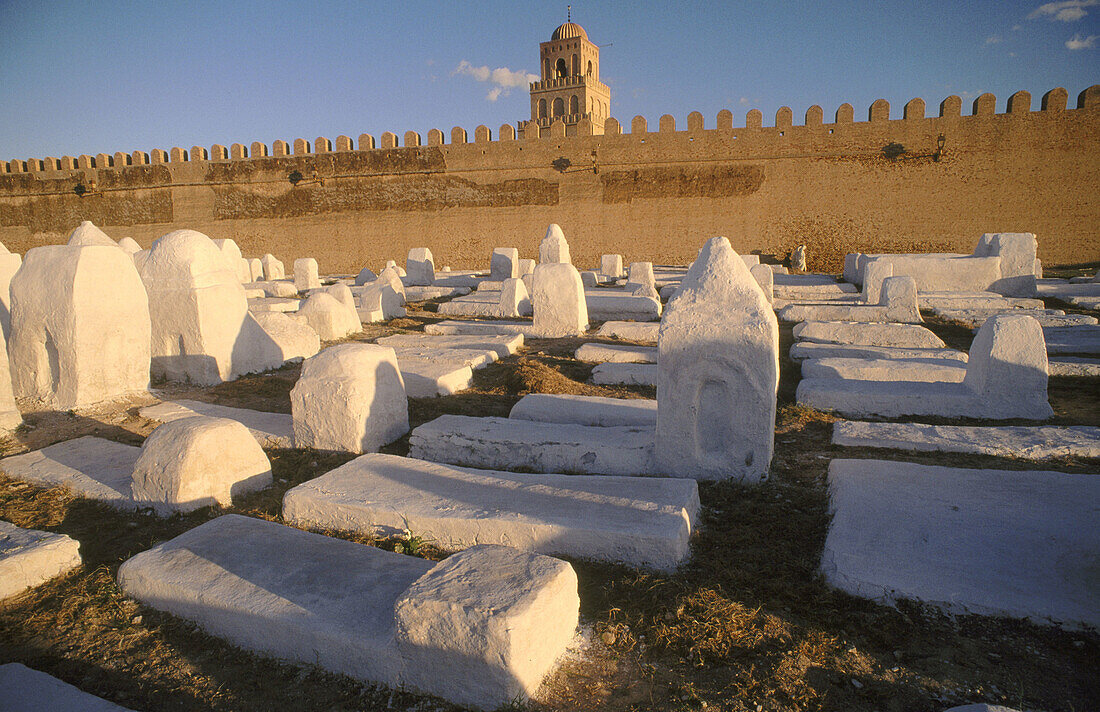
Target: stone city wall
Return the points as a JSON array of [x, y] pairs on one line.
[[887, 184]]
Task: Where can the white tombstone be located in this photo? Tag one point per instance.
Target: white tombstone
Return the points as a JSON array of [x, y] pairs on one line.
[[611, 266], [1017, 251], [129, 245], [79, 326], [590, 278], [1008, 367], [718, 372], [899, 297], [294, 339], [874, 272], [640, 275], [392, 264], [329, 316], [798, 258], [851, 267], [87, 235], [504, 264], [255, 270], [554, 247], [273, 268], [232, 253], [558, 302], [197, 462], [202, 330], [306, 274], [514, 300], [10, 418], [365, 276], [765, 277], [420, 267], [750, 260], [526, 267], [350, 397], [9, 265]]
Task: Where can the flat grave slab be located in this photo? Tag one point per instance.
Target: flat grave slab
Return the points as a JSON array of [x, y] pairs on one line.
[[501, 344], [604, 307], [615, 353], [923, 370], [1072, 339], [868, 334], [89, 466], [1029, 442], [440, 376], [365, 612], [974, 318], [30, 558], [630, 374], [1074, 366], [471, 327], [1084, 301], [271, 430], [640, 521], [586, 410], [274, 304], [25, 690], [513, 444], [807, 349], [642, 332], [420, 294], [995, 542]]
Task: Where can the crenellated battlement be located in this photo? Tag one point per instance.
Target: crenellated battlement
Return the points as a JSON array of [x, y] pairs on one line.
[[879, 112]]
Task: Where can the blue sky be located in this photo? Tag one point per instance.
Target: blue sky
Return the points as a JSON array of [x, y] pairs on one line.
[[105, 76]]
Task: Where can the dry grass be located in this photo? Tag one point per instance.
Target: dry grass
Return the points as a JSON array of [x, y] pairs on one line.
[[747, 624]]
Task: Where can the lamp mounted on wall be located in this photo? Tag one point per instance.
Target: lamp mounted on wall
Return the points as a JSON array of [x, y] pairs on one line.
[[81, 190], [940, 141], [296, 178]]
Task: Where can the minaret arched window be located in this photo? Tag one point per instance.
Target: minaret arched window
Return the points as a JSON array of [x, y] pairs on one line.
[[589, 68], [542, 108], [576, 65], [561, 70], [559, 107], [574, 106]]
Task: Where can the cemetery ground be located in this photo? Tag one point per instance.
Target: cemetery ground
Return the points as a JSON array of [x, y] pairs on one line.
[[746, 624]]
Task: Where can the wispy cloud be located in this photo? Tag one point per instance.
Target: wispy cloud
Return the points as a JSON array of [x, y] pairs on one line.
[[1065, 10], [1079, 42], [993, 39], [502, 78]]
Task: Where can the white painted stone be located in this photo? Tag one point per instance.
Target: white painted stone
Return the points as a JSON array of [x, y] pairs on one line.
[[1030, 442], [30, 558], [606, 305], [421, 294], [1072, 339], [265, 305], [589, 278], [798, 258], [898, 303], [279, 288], [255, 270], [1017, 252], [909, 336], [475, 328], [202, 330], [197, 462], [514, 300], [372, 615], [87, 235], [365, 276], [1073, 366], [718, 372], [981, 707], [382, 299], [642, 332], [1006, 377], [629, 374], [633, 520], [558, 301], [328, 316], [504, 264], [293, 339], [554, 248], [809, 349], [502, 345], [750, 260], [586, 410], [922, 370], [10, 417], [80, 327], [351, 398], [232, 253], [851, 261], [526, 268], [873, 275], [616, 353], [419, 267], [995, 542], [129, 245], [273, 268], [640, 274], [25, 690], [611, 266], [88, 466], [9, 265], [765, 277], [306, 274], [436, 376], [513, 444], [271, 430]]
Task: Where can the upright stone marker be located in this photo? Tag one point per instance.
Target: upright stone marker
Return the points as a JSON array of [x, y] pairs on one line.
[[718, 361], [558, 302], [553, 247], [420, 267], [306, 274], [504, 264]]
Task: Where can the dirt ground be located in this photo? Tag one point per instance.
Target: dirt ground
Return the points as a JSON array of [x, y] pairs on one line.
[[747, 624]]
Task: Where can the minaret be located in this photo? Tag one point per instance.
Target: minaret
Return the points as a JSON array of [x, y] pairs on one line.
[[570, 87]]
